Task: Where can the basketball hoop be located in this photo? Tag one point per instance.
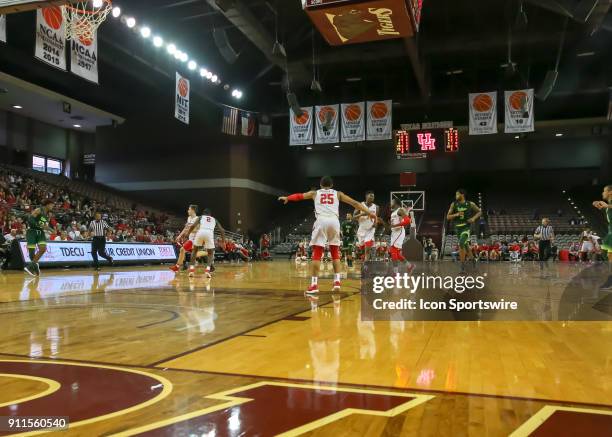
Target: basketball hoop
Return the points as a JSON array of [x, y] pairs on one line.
[[83, 18]]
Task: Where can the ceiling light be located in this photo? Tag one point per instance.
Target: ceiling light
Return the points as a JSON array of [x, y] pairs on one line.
[[17, 106], [184, 57], [116, 12], [145, 32], [203, 72], [516, 137], [583, 54], [131, 22], [309, 148], [192, 65], [337, 146], [158, 41], [171, 48], [559, 135], [353, 79], [208, 75], [214, 78], [237, 94], [178, 54], [97, 3], [76, 125]]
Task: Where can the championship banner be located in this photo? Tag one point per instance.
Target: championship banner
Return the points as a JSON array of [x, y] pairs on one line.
[[327, 130], [84, 58], [300, 128], [380, 123], [519, 111], [51, 36], [483, 113], [353, 122], [3, 28], [181, 109]]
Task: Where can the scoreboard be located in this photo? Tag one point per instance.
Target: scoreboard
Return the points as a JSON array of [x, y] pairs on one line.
[[425, 142]]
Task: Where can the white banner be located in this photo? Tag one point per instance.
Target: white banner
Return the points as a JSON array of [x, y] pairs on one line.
[[380, 120], [519, 111], [483, 113], [51, 36], [84, 58], [181, 109], [327, 129], [70, 252], [353, 122], [3, 28], [300, 128]]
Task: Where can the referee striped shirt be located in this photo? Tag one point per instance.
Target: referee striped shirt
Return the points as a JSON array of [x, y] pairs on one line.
[[546, 232], [98, 228]]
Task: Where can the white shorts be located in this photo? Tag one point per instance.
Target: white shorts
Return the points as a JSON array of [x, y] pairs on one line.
[[326, 230], [397, 239], [365, 235], [205, 238]]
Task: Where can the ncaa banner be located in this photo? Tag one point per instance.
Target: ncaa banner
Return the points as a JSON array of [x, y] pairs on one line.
[[483, 113], [300, 128], [519, 111], [84, 58], [380, 123], [3, 28], [353, 122], [181, 108], [51, 36], [327, 129]]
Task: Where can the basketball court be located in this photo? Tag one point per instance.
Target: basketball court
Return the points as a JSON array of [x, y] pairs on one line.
[[247, 348]]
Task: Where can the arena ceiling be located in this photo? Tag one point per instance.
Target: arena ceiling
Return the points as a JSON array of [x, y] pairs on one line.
[[462, 47]]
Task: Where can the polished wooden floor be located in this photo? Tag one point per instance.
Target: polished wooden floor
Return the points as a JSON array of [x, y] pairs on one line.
[[142, 351]]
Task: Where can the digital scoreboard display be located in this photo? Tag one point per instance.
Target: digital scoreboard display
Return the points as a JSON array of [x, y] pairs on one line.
[[425, 142]]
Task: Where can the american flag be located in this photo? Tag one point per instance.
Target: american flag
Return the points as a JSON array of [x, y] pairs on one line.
[[230, 121]]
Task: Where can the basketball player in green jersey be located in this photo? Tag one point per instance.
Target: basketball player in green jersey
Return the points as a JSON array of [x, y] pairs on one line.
[[463, 214], [606, 243], [38, 221], [348, 229]]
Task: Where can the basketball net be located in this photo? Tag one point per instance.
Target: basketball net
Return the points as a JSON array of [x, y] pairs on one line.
[[83, 18]]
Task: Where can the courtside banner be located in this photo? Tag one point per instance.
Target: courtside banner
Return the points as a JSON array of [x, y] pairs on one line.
[[51, 36], [519, 111], [181, 109], [353, 122], [67, 253], [84, 58], [483, 113], [300, 128], [380, 122], [327, 129], [3, 28]]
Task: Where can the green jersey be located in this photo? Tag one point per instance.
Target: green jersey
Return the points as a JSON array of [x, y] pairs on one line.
[[349, 230], [464, 208], [609, 217], [38, 223]]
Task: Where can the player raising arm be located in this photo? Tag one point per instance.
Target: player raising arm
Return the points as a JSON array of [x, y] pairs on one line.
[[326, 229]]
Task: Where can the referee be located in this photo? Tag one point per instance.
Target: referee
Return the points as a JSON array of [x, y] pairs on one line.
[[545, 236], [98, 229]]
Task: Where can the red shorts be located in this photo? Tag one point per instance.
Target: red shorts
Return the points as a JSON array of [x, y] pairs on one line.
[[396, 254], [188, 246]]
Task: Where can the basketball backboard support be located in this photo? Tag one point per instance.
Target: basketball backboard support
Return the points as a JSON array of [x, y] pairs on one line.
[[410, 199], [15, 6]]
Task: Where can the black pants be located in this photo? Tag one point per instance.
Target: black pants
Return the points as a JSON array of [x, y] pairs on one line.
[[98, 247], [544, 246]]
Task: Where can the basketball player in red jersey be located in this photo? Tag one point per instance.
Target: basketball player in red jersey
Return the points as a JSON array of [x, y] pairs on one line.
[[186, 246], [367, 225], [400, 218], [327, 226]]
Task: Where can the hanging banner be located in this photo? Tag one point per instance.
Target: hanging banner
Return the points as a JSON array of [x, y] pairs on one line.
[[519, 111], [483, 113], [249, 124], [327, 129], [380, 122], [3, 28], [181, 109], [300, 128], [353, 122], [51, 36], [84, 57]]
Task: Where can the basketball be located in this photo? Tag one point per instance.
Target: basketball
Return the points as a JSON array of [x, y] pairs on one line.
[[302, 119], [517, 100], [482, 103], [183, 87], [53, 17], [326, 113], [379, 110], [352, 112]]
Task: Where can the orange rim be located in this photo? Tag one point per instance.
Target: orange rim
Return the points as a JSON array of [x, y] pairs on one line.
[[84, 12]]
